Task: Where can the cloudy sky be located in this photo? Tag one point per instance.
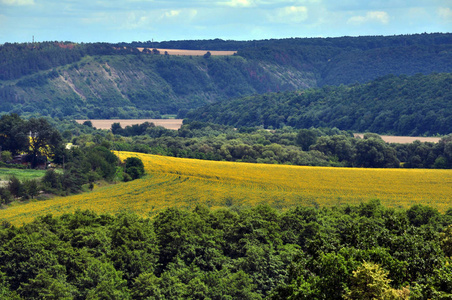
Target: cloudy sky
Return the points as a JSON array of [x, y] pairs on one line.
[[143, 20]]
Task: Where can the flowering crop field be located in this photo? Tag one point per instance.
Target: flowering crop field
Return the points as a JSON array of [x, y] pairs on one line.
[[184, 183]]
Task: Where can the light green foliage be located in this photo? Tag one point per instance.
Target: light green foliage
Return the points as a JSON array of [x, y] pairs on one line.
[[370, 282], [6, 156], [21, 174]]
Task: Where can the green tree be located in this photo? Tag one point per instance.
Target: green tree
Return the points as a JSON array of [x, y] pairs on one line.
[[370, 282], [44, 139], [306, 138], [375, 153], [5, 195], [13, 134], [6, 156], [446, 241], [16, 187], [134, 167], [31, 188]]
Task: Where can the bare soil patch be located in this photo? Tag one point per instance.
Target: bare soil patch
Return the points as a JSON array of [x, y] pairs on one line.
[[192, 52], [106, 124], [404, 139]]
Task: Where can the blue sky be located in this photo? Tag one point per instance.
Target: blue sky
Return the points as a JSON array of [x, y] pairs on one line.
[[143, 20]]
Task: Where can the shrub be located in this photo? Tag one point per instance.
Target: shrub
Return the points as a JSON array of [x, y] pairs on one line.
[[134, 167]]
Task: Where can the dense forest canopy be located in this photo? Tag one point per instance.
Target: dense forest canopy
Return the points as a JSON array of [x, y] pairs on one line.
[[102, 80], [235, 253], [397, 105]]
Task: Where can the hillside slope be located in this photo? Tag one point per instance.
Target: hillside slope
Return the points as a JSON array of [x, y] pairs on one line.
[[136, 86], [110, 81], [397, 105]]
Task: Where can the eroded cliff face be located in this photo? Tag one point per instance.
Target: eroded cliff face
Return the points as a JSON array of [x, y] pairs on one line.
[[114, 86]]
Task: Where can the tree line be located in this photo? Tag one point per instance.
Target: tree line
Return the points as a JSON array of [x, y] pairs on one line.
[[366, 251], [314, 147]]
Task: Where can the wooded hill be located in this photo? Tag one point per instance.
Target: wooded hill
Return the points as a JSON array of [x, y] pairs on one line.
[[105, 80], [398, 105]]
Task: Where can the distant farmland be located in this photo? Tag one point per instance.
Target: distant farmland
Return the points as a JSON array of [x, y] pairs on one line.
[[404, 139], [192, 52], [106, 124], [185, 183]]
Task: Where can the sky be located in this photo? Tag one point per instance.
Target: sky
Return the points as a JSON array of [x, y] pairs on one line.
[[146, 20]]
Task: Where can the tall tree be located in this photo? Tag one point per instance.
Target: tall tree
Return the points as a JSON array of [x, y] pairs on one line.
[[13, 137], [44, 139]]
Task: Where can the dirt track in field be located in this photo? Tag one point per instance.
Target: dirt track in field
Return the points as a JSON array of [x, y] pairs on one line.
[[106, 124], [192, 52], [404, 139]]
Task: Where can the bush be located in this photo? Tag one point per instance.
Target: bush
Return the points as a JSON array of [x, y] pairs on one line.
[[6, 156], [15, 187], [134, 167], [5, 196]]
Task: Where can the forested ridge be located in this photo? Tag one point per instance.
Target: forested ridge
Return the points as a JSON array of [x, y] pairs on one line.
[[396, 105], [102, 80], [350, 252]]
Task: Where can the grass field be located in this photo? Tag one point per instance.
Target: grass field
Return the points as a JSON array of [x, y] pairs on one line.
[[24, 174], [185, 183]]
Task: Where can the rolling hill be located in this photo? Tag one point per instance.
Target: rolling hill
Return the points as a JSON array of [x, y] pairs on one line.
[[118, 81], [185, 183], [395, 105]]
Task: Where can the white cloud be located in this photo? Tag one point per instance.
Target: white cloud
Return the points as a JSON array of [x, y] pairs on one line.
[[172, 13], [238, 3], [290, 14], [445, 13], [18, 2], [185, 14], [371, 16]]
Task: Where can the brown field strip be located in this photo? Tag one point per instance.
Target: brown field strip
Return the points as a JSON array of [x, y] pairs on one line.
[[404, 139], [192, 52], [106, 124]]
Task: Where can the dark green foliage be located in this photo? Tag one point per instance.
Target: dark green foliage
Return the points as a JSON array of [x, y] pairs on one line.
[[419, 215], [134, 167], [400, 105], [5, 195], [306, 138], [375, 153], [88, 123], [13, 136], [303, 253], [15, 187], [44, 139], [133, 130]]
